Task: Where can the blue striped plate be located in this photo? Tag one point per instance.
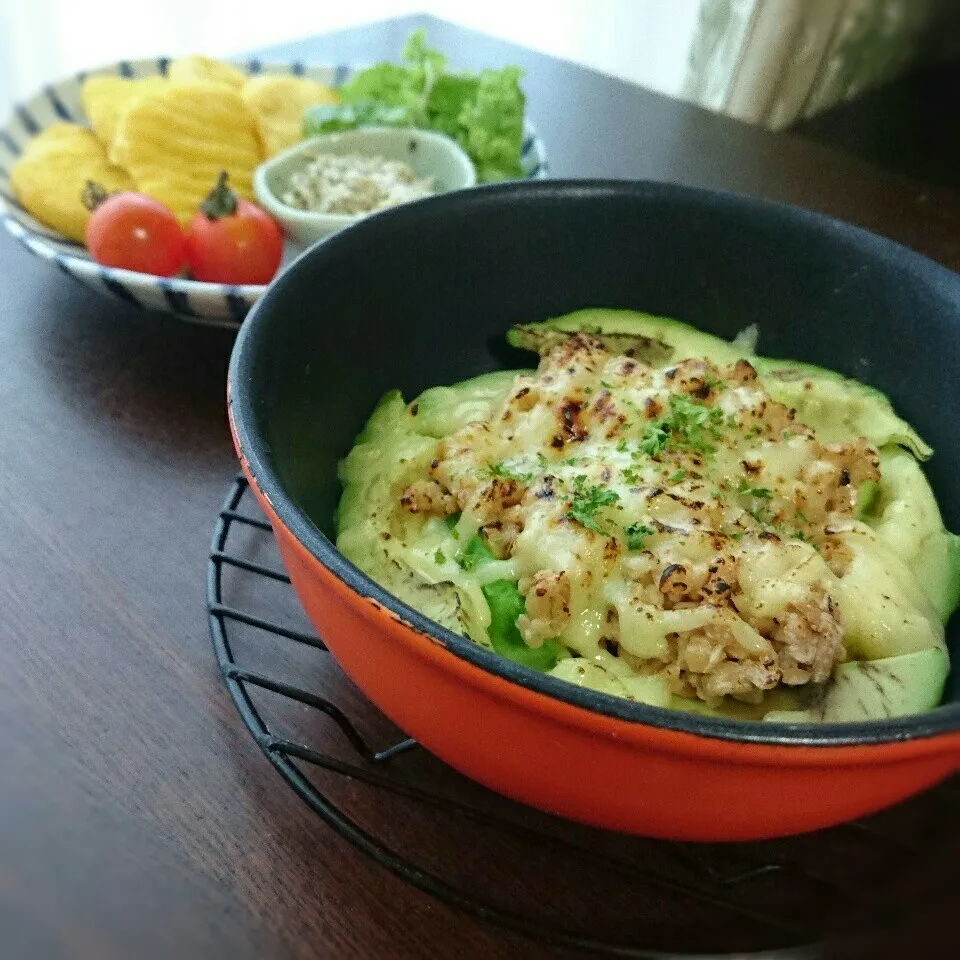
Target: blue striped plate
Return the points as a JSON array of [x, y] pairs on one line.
[[214, 304]]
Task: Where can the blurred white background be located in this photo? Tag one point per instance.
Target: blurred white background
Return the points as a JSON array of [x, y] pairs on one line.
[[646, 41]]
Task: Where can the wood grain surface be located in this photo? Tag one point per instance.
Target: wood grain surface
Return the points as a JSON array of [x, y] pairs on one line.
[[138, 819]]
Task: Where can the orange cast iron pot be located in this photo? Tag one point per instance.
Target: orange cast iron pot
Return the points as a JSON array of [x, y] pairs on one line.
[[299, 394], [599, 770]]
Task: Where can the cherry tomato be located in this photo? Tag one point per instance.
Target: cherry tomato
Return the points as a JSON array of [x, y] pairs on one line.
[[231, 240], [135, 232]]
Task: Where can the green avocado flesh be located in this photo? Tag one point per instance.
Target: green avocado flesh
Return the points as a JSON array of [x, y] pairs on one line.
[[893, 593], [869, 689]]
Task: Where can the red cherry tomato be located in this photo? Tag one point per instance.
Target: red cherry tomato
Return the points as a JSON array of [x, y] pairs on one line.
[[231, 240], [135, 232]]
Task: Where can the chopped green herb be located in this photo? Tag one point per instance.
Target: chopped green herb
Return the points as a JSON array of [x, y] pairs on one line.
[[542, 461], [570, 461], [636, 535], [439, 557], [630, 475], [588, 390], [654, 439], [754, 431], [505, 473], [605, 385], [677, 475], [764, 493], [587, 500], [688, 426], [800, 517], [622, 445]]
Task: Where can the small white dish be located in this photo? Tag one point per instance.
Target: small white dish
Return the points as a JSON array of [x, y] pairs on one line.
[[429, 154]]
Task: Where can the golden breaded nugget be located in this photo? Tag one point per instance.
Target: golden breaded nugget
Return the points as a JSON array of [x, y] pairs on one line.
[[176, 141], [106, 99], [278, 101], [197, 68], [49, 177]]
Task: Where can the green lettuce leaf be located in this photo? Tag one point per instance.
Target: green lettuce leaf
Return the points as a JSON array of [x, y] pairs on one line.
[[332, 117], [493, 125], [482, 112]]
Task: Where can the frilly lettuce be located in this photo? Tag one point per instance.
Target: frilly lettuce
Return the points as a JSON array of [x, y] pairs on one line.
[[482, 112]]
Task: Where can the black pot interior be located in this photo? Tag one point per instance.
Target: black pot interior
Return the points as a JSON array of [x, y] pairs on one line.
[[423, 295]]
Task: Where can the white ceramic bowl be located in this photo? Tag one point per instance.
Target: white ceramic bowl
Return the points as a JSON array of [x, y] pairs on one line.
[[428, 154]]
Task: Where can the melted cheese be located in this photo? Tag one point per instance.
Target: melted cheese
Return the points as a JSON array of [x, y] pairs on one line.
[[640, 533]]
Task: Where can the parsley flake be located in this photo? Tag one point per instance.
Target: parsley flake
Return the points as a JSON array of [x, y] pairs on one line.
[[585, 501], [636, 535], [654, 439], [677, 475], [688, 426], [439, 557], [505, 473], [764, 493]]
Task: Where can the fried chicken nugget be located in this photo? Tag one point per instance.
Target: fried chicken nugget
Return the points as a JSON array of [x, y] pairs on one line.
[[175, 142], [49, 177], [196, 68], [278, 102], [105, 99]]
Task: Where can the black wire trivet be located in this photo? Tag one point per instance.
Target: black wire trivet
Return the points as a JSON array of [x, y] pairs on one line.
[[561, 883]]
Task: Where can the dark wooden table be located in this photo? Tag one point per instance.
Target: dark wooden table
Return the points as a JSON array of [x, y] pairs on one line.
[[908, 126], [137, 816]]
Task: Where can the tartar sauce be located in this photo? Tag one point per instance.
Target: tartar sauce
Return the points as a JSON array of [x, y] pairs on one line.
[[353, 184]]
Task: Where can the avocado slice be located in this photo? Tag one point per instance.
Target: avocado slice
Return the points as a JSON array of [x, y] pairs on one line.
[[875, 689], [615, 678], [657, 340], [837, 407], [883, 607], [370, 480], [906, 518], [355, 470], [440, 411]]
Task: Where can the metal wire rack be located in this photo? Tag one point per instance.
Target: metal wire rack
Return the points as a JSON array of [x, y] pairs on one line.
[[592, 890]]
